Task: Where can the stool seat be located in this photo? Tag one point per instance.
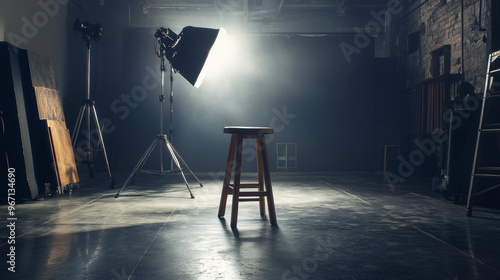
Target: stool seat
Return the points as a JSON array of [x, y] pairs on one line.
[[234, 159], [248, 130]]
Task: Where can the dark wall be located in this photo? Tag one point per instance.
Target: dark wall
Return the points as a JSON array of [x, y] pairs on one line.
[[337, 112]]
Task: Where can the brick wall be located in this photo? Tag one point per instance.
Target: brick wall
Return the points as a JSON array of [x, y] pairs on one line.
[[437, 23]]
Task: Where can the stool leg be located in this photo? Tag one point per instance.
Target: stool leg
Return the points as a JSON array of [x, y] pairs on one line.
[[237, 177], [267, 179], [260, 175], [227, 177]]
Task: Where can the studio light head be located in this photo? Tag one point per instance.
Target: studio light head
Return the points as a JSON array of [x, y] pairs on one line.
[[90, 32], [166, 37], [189, 50]]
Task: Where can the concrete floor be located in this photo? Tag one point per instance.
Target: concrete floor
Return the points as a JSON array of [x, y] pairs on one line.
[[331, 226]]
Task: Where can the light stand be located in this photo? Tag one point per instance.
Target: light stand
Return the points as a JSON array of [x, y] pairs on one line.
[[88, 106], [171, 130], [175, 157]]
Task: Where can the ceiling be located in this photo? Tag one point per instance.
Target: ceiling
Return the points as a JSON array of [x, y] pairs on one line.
[[257, 16]]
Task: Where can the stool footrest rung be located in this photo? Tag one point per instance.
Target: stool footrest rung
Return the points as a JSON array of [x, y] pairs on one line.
[[246, 185], [249, 199], [487, 175], [253, 193]]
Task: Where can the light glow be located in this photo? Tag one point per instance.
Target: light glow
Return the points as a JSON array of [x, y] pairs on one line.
[[211, 57], [234, 58]]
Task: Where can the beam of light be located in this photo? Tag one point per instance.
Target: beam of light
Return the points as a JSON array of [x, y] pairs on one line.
[[229, 58], [218, 44]]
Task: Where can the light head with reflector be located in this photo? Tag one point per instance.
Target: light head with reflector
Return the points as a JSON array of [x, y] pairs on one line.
[[188, 51]]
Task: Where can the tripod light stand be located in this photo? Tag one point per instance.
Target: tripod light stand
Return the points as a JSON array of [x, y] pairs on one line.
[[90, 32], [187, 54]]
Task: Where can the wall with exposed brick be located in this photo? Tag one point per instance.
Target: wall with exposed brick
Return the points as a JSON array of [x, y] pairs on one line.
[[437, 23]]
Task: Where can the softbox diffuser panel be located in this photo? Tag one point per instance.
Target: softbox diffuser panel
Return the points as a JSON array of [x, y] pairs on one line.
[[192, 51]]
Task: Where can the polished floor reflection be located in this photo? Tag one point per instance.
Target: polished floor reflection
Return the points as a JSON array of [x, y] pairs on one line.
[[331, 226]]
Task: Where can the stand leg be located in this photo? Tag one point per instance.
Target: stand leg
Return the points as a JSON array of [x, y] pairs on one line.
[[185, 164], [78, 123], [89, 110], [139, 164], [90, 155], [101, 142], [174, 158], [84, 109]]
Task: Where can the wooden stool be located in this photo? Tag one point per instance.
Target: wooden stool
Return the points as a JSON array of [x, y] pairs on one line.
[[264, 177]]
